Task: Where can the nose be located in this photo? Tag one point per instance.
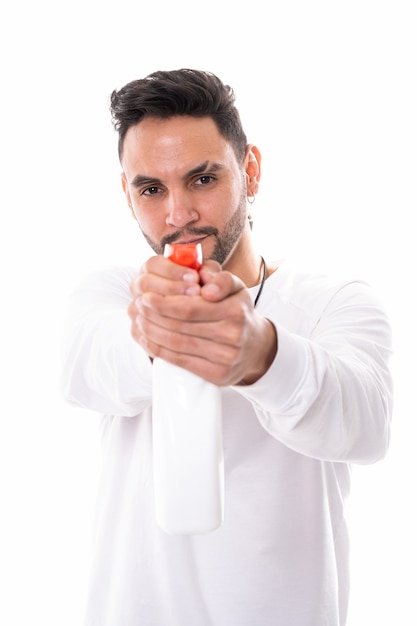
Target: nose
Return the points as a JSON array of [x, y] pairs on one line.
[[180, 209]]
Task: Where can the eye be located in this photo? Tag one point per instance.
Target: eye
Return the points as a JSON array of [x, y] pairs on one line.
[[204, 180], [150, 191]]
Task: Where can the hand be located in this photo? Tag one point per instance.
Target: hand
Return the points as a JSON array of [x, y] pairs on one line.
[[202, 321]]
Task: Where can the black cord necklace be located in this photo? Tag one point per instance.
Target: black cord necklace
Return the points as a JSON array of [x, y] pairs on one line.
[[262, 282]]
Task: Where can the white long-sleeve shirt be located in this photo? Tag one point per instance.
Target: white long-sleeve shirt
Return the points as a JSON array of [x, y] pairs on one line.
[[281, 556]]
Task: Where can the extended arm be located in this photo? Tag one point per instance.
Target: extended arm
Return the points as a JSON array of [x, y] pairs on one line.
[[103, 369], [328, 393]]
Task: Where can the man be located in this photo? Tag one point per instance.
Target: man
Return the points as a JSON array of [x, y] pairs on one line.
[[306, 389]]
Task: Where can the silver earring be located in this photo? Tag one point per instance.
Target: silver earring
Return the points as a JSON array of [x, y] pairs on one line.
[[251, 199]]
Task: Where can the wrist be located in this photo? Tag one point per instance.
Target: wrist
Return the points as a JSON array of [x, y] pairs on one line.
[[265, 357]]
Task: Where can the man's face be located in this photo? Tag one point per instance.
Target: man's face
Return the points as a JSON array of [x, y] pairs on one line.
[[184, 184]]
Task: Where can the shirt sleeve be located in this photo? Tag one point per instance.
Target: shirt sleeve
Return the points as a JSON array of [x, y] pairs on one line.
[[104, 370], [328, 393]]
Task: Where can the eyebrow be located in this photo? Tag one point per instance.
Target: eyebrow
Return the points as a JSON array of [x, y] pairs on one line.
[[203, 167], [139, 180], [144, 180]]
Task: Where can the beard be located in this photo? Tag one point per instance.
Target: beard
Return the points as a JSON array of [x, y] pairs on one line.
[[224, 241]]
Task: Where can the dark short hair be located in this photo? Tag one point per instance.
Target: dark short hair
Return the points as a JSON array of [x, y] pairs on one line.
[[164, 94]]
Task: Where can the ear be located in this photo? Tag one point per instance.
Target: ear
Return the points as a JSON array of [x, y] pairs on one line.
[[127, 193], [252, 166]]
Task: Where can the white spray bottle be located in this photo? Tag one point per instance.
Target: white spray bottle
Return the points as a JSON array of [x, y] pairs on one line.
[[187, 438]]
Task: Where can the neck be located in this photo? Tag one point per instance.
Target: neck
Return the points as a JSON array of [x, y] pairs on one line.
[[245, 261]]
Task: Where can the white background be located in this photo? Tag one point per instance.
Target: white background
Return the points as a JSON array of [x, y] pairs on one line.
[[327, 90]]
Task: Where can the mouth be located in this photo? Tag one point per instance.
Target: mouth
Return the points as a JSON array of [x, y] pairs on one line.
[[186, 242], [190, 236]]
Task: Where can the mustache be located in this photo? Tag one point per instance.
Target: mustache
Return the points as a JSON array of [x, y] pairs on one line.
[[189, 232]]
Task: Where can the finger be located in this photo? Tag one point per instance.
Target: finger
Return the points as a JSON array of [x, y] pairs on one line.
[[162, 276], [163, 266], [209, 268], [203, 356], [186, 309], [161, 342], [216, 328], [220, 285]]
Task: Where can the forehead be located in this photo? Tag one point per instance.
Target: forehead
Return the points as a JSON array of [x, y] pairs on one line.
[[180, 139]]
